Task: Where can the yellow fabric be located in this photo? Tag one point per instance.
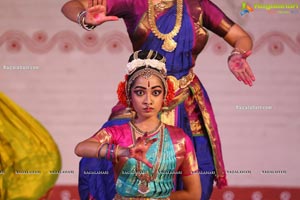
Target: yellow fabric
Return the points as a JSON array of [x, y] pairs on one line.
[[28, 154]]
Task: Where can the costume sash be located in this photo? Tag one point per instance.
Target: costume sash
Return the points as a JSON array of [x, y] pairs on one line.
[[204, 104]]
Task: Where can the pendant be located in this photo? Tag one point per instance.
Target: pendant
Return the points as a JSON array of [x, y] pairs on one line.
[[169, 45], [143, 187]]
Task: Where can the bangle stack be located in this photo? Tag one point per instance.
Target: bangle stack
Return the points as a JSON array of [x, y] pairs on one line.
[[111, 152], [81, 21]]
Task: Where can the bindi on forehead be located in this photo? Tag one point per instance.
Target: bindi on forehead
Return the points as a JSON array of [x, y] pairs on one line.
[[148, 82], [151, 81]]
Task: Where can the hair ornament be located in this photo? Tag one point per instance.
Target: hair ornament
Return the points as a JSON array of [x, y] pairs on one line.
[[136, 63]]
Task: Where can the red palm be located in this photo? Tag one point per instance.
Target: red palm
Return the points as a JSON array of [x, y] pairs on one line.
[[96, 13], [139, 150]]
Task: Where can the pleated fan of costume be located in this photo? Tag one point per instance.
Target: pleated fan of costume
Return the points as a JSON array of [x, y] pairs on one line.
[[28, 154]]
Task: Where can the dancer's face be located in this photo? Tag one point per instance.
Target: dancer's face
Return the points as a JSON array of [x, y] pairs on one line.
[[147, 96]]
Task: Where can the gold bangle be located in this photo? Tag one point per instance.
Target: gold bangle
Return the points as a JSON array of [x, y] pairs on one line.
[[238, 51], [116, 154], [98, 149]]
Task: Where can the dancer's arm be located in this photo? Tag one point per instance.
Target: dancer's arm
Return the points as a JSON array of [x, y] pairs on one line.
[[191, 188], [104, 149], [215, 20], [237, 63]]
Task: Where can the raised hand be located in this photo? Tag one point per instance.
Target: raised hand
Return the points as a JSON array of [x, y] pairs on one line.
[[139, 150], [96, 13], [240, 68]]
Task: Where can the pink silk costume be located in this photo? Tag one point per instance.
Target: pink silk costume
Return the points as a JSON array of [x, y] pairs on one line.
[[178, 155], [192, 101]]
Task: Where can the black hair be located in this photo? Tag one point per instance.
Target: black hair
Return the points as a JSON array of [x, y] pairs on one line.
[[144, 54]]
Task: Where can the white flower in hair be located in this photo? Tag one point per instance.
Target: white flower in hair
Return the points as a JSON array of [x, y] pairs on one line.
[[156, 64]]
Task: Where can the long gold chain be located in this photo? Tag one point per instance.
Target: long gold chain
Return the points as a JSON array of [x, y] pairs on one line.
[[145, 178], [169, 43]]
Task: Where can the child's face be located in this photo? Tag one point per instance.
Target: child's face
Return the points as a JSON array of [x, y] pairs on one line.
[[147, 96]]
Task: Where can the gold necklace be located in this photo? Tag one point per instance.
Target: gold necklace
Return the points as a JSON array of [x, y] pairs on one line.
[[163, 4], [140, 132], [169, 43], [145, 178]]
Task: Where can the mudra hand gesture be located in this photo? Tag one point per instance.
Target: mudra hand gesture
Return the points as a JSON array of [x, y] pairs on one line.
[[96, 13], [240, 68], [139, 150]]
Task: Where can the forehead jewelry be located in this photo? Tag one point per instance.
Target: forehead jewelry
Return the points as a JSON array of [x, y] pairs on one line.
[[146, 73]]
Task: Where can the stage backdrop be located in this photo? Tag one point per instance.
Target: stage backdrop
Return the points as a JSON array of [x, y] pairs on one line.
[[66, 78]]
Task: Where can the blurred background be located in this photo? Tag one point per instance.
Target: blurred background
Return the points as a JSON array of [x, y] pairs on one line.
[[72, 75]]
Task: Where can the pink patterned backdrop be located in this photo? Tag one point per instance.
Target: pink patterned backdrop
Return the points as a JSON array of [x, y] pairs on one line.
[[71, 75]]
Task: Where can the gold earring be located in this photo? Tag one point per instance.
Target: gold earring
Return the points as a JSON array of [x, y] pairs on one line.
[[128, 108], [165, 106]]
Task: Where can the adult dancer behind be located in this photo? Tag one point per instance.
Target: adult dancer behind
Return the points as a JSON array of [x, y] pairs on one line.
[[146, 153], [176, 29]]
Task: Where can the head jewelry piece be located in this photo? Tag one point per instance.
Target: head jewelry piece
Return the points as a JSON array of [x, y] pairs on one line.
[[147, 67]]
